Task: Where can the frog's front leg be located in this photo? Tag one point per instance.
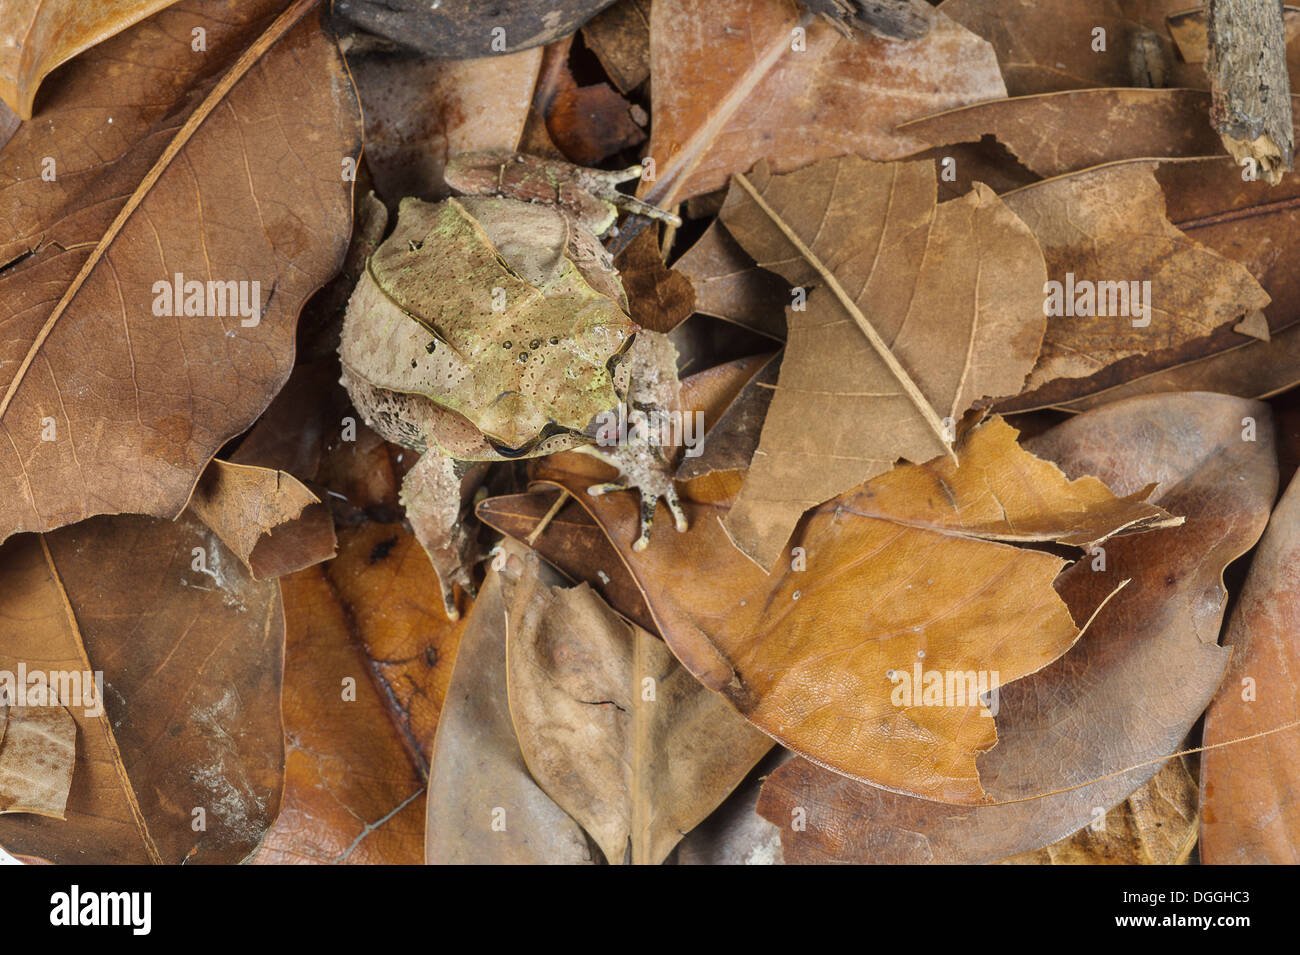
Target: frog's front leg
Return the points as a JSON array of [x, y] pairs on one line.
[[632, 444], [643, 470]]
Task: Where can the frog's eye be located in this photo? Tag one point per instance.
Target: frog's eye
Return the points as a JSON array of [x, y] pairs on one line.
[[414, 245]]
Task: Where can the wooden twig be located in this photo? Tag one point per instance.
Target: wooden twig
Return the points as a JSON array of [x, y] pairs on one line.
[[1251, 105]]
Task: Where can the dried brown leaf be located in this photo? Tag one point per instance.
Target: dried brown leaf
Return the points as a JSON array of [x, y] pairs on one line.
[[806, 657], [267, 518], [190, 731], [1094, 725], [1250, 791], [420, 112], [953, 292], [105, 405], [729, 90], [660, 298], [38, 35], [620, 38], [484, 807], [1057, 133], [1101, 230], [617, 732]]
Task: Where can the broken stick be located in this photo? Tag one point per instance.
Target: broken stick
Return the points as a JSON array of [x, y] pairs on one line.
[[1251, 104]]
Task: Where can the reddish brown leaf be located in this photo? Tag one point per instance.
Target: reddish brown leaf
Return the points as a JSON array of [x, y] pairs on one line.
[[660, 298], [1250, 792], [729, 90], [106, 405], [591, 123], [182, 760]]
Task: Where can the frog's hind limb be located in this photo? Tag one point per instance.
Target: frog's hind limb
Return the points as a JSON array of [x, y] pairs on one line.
[[433, 495]]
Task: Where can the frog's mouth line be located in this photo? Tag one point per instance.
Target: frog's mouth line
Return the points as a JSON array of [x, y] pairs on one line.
[[552, 430]]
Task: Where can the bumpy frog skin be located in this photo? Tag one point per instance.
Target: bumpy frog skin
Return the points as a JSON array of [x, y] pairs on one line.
[[493, 327]]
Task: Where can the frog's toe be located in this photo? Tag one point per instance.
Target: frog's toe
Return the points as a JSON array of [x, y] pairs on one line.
[[637, 207], [648, 502], [679, 514], [596, 490]]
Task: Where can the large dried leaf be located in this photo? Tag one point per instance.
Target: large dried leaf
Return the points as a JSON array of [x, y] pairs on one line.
[[618, 733], [421, 112], [729, 90], [1097, 723], [1248, 222], [37, 755], [1056, 133], [368, 656], [1045, 45], [353, 794], [484, 807], [38, 35], [952, 290], [182, 759], [912, 562], [163, 170], [1250, 791], [268, 518], [1106, 227]]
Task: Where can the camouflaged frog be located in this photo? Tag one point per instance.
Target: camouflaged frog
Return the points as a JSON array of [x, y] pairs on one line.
[[493, 326]]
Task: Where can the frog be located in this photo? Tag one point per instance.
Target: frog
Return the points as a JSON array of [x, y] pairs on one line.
[[493, 326]]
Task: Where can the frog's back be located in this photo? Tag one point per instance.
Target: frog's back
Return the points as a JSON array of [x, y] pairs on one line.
[[510, 312]]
